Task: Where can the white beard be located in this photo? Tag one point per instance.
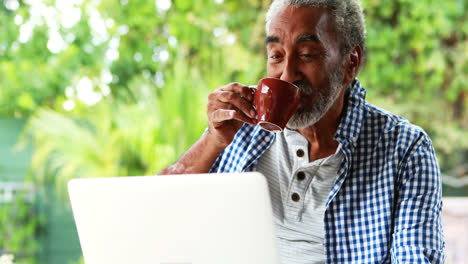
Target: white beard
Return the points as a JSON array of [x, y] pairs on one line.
[[327, 97]]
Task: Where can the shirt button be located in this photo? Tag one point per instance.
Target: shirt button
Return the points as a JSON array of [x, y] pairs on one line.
[[301, 175], [295, 197], [300, 153]]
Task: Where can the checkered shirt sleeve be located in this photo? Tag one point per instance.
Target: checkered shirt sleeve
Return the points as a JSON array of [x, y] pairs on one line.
[[417, 236], [243, 153]]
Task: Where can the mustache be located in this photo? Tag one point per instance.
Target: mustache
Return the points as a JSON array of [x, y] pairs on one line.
[[304, 86]]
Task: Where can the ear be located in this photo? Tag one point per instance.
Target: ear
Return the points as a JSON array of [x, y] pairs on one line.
[[353, 62]]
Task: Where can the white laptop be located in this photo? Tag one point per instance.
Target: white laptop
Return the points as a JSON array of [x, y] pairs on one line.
[[177, 219]]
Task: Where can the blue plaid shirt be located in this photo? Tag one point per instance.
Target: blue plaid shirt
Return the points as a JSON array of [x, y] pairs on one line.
[[386, 204]]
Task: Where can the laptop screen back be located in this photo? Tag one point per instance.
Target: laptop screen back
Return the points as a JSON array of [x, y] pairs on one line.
[[177, 219]]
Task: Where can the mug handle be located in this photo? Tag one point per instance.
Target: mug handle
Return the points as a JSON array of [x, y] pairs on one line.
[[253, 89]]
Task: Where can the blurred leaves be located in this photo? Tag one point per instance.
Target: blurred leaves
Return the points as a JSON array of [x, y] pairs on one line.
[[19, 224], [418, 68], [138, 72], [148, 58]]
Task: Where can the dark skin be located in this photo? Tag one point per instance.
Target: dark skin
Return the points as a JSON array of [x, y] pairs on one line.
[[302, 44], [306, 46]]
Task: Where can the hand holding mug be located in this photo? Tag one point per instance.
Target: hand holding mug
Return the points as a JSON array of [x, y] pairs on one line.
[[229, 107], [271, 105]]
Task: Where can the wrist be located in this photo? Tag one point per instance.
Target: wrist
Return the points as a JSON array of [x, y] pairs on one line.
[[213, 142]]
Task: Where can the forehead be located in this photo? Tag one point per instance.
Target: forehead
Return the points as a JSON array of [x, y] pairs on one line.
[[291, 22]]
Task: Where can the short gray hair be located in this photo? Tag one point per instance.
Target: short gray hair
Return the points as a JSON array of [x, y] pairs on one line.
[[349, 18]]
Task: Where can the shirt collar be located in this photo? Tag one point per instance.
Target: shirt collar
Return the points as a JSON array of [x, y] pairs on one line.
[[350, 126]]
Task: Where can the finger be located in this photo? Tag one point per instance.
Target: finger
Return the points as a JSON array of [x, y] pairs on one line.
[[217, 106], [219, 116], [241, 89], [238, 101], [242, 117]]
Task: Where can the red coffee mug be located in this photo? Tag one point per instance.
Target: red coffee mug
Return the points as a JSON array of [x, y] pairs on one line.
[[275, 101]]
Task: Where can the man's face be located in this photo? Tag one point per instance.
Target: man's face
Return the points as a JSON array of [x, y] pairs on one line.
[[303, 48]]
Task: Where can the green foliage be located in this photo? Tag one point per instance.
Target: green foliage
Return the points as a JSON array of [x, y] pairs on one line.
[[19, 224], [417, 50], [167, 64], [138, 136], [418, 68]]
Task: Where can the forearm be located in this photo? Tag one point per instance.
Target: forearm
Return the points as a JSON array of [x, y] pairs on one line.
[[198, 159], [224, 123]]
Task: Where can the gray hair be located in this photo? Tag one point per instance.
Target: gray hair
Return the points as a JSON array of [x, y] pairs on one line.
[[349, 18]]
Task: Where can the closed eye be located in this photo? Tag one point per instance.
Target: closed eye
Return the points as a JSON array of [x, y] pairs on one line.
[[309, 56]]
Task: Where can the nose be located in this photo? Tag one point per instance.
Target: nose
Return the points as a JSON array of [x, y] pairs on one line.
[[291, 71]]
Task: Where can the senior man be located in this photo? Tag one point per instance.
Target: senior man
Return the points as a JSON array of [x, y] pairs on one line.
[[349, 182]]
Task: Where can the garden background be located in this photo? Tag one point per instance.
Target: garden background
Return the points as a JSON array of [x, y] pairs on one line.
[[97, 88]]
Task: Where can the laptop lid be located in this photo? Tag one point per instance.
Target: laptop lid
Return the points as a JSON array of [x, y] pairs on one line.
[[177, 219]]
